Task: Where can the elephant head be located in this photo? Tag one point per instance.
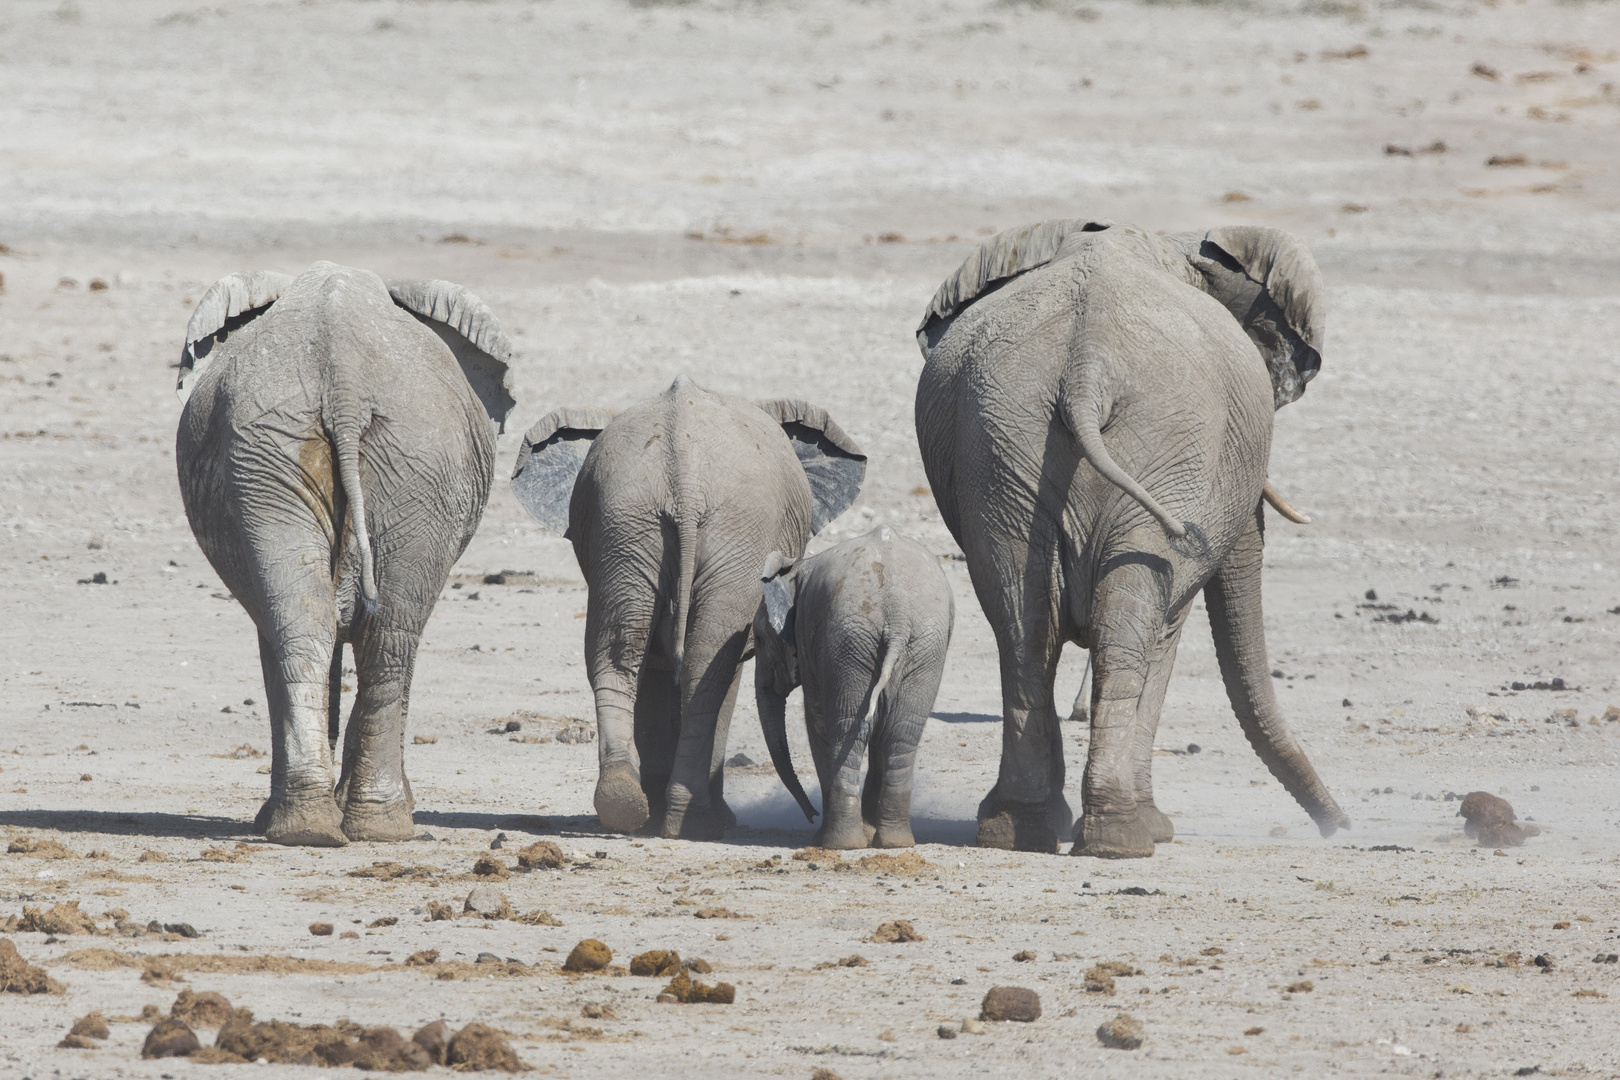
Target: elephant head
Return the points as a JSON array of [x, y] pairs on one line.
[[1270, 283], [776, 667], [554, 451]]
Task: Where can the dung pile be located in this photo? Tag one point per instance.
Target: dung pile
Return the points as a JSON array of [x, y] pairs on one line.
[[18, 976], [1491, 820], [588, 955], [894, 932], [1010, 1003], [381, 1049], [62, 919], [1123, 1032], [84, 1033], [656, 963], [684, 990], [205, 1010]]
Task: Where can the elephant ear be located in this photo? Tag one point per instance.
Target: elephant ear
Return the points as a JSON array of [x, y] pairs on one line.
[[997, 261], [549, 462], [470, 329], [229, 304], [778, 584], [1281, 264], [832, 462]]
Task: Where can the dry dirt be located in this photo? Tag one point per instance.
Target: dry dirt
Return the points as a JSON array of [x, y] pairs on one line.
[[764, 195]]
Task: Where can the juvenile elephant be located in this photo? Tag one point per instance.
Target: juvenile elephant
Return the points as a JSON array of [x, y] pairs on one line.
[[1095, 417], [864, 628], [672, 506], [335, 452]]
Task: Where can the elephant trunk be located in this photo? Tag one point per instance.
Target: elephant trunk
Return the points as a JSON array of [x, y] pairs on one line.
[[773, 721], [1237, 622]]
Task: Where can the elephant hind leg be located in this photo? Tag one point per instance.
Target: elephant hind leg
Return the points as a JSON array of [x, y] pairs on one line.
[[376, 799], [1128, 629], [1147, 726], [300, 809]]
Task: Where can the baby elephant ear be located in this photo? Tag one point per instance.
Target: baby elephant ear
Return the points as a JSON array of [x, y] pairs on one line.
[[466, 324], [776, 579], [549, 463], [1282, 264], [229, 304], [832, 462]]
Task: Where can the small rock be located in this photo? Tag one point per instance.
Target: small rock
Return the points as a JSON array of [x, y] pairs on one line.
[[1123, 1032], [170, 1038], [487, 901], [321, 929], [513, 725], [498, 843], [487, 958], [588, 955], [1010, 1003], [946, 1031], [972, 1025]]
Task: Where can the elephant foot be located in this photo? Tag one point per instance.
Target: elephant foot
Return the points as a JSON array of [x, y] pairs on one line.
[[621, 805], [312, 821], [1059, 814], [1113, 837], [1158, 823], [695, 824], [893, 836], [1019, 830], [387, 822]]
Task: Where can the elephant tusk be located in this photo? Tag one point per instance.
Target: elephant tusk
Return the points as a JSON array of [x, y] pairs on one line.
[[1283, 507]]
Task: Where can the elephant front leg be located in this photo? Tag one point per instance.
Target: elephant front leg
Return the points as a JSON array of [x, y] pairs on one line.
[[301, 809]]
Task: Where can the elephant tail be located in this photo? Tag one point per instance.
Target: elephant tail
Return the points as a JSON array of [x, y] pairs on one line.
[[686, 543], [1082, 422], [346, 444], [888, 653]]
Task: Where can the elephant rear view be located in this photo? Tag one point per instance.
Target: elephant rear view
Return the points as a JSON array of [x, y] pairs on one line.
[[672, 507], [1095, 417], [335, 453], [864, 628]]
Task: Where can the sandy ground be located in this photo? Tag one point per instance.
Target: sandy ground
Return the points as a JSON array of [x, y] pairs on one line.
[[764, 195]]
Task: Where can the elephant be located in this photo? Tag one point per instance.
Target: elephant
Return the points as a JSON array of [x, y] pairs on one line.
[[1095, 416], [864, 628], [335, 451], [672, 506]]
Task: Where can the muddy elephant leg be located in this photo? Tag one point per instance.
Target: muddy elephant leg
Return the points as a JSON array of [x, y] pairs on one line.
[[1020, 811], [843, 825], [709, 680], [1127, 629], [657, 727], [1147, 726], [301, 809], [616, 653], [376, 798]]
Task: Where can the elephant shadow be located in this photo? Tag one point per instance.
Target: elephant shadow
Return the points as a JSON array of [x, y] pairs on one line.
[[966, 717], [126, 823]]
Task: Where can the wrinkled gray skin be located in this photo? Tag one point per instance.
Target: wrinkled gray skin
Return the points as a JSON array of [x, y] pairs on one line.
[[672, 507], [319, 406], [864, 628], [1096, 429]]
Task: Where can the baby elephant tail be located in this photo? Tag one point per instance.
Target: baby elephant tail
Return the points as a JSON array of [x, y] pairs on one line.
[[888, 653]]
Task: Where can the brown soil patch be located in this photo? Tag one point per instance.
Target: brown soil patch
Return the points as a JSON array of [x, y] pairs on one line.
[[898, 931], [538, 918], [817, 855], [393, 871], [852, 960], [18, 976], [64, 919], [718, 913], [39, 849], [907, 862], [152, 856], [174, 963], [236, 854]]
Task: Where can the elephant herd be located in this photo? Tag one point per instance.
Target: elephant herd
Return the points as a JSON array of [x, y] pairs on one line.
[[1094, 416]]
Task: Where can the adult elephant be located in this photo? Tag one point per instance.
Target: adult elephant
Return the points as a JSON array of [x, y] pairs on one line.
[[673, 506], [1095, 419], [335, 453]]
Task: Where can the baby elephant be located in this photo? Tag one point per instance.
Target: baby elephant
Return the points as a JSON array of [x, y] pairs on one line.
[[864, 627]]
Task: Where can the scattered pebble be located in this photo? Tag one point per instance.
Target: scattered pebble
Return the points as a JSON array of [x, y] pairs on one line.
[[946, 1031]]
